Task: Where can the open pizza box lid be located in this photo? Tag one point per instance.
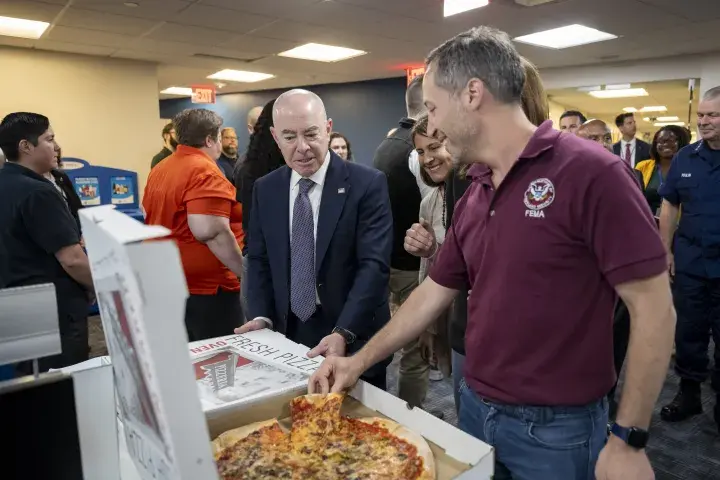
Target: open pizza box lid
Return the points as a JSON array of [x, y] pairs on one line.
[[166, 426]]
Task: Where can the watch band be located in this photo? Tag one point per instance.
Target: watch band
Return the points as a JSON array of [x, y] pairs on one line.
[[346, 334], [633, 436]]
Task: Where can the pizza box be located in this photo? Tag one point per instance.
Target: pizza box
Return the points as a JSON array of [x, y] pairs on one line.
[[234, 370], [166, 431], [457, 454]]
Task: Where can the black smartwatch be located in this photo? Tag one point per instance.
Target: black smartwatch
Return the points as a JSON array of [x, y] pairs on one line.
[[346, 334], [633, 436]]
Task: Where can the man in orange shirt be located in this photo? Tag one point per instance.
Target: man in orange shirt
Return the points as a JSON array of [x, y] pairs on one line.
[[188, 194]]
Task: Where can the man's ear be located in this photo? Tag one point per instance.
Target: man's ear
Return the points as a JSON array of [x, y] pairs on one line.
[[329, 126], [475, 91], [274, 134], [25, 147]]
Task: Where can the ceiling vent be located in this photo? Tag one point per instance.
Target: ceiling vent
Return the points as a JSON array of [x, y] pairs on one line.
[[206, 56]]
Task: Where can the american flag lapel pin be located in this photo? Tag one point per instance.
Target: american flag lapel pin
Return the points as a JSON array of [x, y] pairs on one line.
[[341, 190]]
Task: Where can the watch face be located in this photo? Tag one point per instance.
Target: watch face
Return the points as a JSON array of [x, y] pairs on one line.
[[637, 438]]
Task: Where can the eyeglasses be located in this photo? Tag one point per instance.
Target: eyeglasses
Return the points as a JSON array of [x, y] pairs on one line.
[[229, 138]]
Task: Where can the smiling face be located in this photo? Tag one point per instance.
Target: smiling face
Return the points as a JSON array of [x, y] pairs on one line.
[[301, 130], [339, 146], [667, 144], [709, 119], [433, 157], [451, 114]]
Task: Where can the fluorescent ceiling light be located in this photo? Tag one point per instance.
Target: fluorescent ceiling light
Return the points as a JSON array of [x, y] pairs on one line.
[[654, 109], [18, 27], [453, 7], [630, 109], [566, 37], [321, 53], [181, 91], [662, 119], [620, 93], [665, 124], [240, 76]]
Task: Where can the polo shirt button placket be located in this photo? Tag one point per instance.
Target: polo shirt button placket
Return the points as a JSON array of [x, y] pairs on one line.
[[492, 213]]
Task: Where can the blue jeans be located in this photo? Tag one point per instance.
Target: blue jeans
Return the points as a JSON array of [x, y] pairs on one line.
[[458, 365], [537, 443]]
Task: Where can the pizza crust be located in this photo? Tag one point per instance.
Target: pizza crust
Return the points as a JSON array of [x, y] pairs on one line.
[[413, 438], [231, 437]]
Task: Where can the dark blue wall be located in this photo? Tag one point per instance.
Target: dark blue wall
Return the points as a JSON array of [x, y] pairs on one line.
[[362, 111]]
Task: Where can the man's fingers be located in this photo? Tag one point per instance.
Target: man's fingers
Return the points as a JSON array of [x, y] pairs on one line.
[[415, 242], [424, 223], [319, 349], [250, 326], [339, 385], [243, 329]]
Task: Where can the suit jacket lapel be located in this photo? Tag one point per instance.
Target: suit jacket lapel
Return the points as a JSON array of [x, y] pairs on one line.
[[335, 191], [281, 220]]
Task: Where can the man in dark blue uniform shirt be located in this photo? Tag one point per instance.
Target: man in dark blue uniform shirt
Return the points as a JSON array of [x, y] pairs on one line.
[[39, 238], [693, 185]]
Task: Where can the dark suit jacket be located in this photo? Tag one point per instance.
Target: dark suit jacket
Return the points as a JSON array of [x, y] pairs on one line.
[[353, 245], [642, 150]]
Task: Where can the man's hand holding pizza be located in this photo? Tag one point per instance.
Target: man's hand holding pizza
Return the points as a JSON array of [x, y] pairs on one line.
[[336, 374]]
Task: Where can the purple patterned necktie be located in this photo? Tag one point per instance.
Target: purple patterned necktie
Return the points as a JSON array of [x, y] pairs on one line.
[[302, 254]]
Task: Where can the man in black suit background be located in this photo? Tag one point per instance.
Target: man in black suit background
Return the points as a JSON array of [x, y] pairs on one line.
[[629, 148], [320, 240]]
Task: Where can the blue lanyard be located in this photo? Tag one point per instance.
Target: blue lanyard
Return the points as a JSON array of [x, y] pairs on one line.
[[659, 174]]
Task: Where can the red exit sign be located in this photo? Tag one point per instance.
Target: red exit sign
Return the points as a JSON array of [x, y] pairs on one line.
[[414, 72], [203, 94]]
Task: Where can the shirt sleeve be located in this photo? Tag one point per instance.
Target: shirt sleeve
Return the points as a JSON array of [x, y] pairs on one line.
[[48, 221], [449, 269], [620, 229], [668, 190], [210, 194]]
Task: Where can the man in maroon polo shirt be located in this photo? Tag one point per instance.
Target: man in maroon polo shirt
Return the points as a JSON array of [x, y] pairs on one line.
[[550, 232]]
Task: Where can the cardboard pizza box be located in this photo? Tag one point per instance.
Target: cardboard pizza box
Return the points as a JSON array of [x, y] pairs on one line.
[[457, 454], [166, 432]]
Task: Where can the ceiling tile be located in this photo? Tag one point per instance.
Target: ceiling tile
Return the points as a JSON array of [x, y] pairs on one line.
[[140, 55], [73, 48], [187, 34], [428, 10], [76, 17], [174, 51], [150, 9], [42, 12], [695, 10], [259, 44], [221, 19], [83, 36], [270, 8]]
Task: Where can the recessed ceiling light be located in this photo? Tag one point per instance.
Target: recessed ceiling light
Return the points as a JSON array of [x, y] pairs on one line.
[[453, 7], [181, 91], [566, 37], [321, 53], [131, 4], [659, 108], [19, 27], [672, 118], [240, 76], [619, 93], [630, 109], [666, 124]]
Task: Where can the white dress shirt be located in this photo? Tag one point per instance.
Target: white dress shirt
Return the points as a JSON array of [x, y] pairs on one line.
[[315, 193], [633, 149], [315, 196]]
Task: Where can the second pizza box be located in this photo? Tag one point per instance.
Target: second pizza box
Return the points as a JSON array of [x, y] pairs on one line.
[[457, 454]]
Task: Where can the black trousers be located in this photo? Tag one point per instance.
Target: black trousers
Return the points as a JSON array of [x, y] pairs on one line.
[[317, 327], [697, 302], [210, 316]]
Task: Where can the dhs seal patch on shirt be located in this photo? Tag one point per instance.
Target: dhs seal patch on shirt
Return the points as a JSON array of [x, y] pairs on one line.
[[538, 196]]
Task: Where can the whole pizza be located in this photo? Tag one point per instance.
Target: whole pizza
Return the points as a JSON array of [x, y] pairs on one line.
[[323, 445]]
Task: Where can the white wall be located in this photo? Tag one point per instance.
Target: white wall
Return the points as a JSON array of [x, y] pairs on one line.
[[102, 110]]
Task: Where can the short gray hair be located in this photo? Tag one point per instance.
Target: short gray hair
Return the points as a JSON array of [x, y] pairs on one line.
[[485, 53], [194, 125], [712, 94], [414, 97]]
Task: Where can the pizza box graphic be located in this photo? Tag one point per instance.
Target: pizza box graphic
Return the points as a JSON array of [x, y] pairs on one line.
[[166, 432]]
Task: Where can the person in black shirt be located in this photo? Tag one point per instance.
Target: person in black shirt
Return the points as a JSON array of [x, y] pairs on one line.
[[40, 240], [229, 156], [262, 157], [170, 144]]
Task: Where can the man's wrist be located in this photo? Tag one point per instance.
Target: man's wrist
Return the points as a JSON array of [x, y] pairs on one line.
[[268, 322]]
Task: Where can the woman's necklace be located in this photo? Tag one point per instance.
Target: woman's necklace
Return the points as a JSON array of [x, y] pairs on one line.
[[442, 188]]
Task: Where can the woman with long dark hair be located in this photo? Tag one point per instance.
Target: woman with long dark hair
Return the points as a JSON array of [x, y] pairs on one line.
[[262, 157]]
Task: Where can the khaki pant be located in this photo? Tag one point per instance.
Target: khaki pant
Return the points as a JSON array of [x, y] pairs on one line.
[[414, 371]]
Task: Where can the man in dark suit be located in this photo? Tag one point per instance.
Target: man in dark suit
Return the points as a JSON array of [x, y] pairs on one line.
[[629, 148], [320, 240]]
